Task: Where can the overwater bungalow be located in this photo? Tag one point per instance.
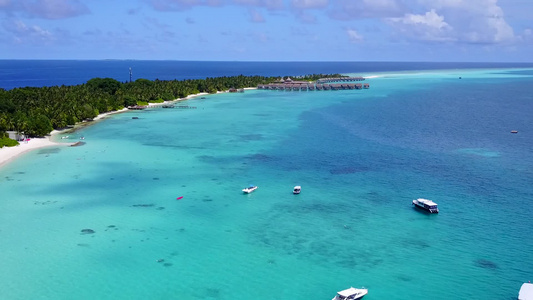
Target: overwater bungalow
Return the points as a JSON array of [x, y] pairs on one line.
[[340, 79], [341, 83]]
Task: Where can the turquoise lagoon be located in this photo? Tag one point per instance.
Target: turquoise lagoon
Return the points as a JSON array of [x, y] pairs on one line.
[[360, 157]]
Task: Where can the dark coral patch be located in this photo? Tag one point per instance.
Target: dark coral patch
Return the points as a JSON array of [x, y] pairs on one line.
[[486, 264], [143, 205], [77, 144]]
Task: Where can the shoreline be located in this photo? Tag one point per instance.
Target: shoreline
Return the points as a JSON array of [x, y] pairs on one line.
[[9, 154]]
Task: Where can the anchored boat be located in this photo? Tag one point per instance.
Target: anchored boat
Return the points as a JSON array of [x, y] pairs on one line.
[[426, 205], [297, 189], [526, 291], [249, 189], [350, 294]]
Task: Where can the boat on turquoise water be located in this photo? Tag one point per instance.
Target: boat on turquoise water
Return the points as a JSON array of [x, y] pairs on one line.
[[249, 189], [426, 205], [350, 294], [526, 292], [297, 189]]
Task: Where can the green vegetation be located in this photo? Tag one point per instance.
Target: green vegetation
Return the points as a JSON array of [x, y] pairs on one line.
[[37, 111], [5, 141]]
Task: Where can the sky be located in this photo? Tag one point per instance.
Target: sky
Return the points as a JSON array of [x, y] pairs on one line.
[[269, 30]]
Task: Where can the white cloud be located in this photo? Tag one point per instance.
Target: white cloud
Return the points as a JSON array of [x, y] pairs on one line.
[[180, 5], [55, 9], [269, 4], [359, 9], [172, 5], [379, 4], [429, 26], [23, 33], [353, 35], [309, 4], [46, 9], [430, 19], [480, 21]]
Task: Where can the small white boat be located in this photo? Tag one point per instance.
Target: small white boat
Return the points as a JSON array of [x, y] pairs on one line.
[[249, 189], [526, 291], [297, 189], [426, 204], [350, 294]]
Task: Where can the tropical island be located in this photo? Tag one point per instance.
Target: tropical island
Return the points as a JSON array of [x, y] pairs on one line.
[[37, 111]]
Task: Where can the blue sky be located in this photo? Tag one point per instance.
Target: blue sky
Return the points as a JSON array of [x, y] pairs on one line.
[[268, 30]]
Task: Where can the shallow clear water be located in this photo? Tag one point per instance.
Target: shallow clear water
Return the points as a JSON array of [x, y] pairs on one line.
[[360, 157]]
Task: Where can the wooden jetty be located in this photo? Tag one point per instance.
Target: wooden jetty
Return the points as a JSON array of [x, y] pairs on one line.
[[137, 107], [323, 84]]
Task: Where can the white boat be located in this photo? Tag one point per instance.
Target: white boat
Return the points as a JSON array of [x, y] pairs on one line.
[[249, 189], [526, 292], [426, 204], [297, 189], [350, 294]]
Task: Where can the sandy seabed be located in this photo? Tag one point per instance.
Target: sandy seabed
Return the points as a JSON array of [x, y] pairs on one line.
[[7, 154]]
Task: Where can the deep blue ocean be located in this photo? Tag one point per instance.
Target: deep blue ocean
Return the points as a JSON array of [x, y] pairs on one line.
[[37, 73], [436, 131]]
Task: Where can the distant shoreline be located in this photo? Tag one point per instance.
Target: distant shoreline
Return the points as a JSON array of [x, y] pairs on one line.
[[9, 154]]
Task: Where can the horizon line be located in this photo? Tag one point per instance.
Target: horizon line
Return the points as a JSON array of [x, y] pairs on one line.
[[266, 61]]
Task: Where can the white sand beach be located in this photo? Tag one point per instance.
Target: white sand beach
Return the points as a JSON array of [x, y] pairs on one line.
[[7, 154], [101, 116]]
